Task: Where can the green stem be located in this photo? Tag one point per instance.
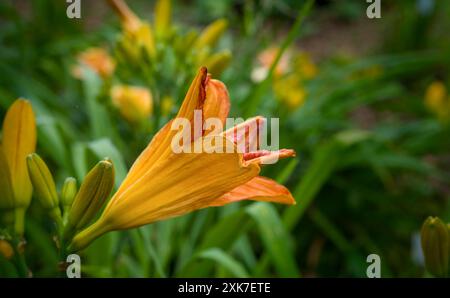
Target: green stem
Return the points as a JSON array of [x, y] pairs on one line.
[[19, 221], [20, 261], [87, 236], [261, 89]]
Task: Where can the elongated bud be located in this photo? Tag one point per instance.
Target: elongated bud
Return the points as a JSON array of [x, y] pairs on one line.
[[44, 185], [435, 246], [68, 192], [6, 249], [163, 12], [94, 191], [211, 34], [218, 62], [19, 140], [42, 181]]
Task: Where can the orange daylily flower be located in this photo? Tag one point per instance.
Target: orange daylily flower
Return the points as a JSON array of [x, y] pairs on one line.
[[162, 184]]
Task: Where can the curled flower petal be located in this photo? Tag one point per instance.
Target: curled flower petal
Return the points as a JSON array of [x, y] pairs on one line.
[[217, 102], [268, 157], [258, 189], [246, 135]]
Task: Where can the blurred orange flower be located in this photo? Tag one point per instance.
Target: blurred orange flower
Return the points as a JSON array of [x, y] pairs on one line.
[[98, 60]]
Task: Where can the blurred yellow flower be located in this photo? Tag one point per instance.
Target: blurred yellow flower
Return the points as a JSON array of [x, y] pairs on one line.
[[135, 104], [292, 70], [19, 140], [435, 95], [289, 90], [137, 34], [98, 60], [306, 67], [162, 184], [437, 100]]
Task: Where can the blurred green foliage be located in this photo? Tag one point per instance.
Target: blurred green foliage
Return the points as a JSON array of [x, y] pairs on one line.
[[372, 161]]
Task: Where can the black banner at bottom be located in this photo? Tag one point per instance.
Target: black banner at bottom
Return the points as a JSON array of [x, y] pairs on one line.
[[205, 287]]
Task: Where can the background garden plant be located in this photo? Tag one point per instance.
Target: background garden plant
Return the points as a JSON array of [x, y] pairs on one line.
[[368, 122]]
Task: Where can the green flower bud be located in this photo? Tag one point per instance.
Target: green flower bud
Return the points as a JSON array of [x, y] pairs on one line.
[[44, 186], [435, 246], [93, 193], [42, 181], [68, 192]]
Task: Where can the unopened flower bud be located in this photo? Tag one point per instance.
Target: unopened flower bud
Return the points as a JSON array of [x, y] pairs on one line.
[[93, 193], [42, 181], [44, 186], [68, 192], [435, 246]]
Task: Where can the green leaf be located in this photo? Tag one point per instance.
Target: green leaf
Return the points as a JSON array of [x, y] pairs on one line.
[[275, 238], [322, 165], [225, 260], [222, 235]]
